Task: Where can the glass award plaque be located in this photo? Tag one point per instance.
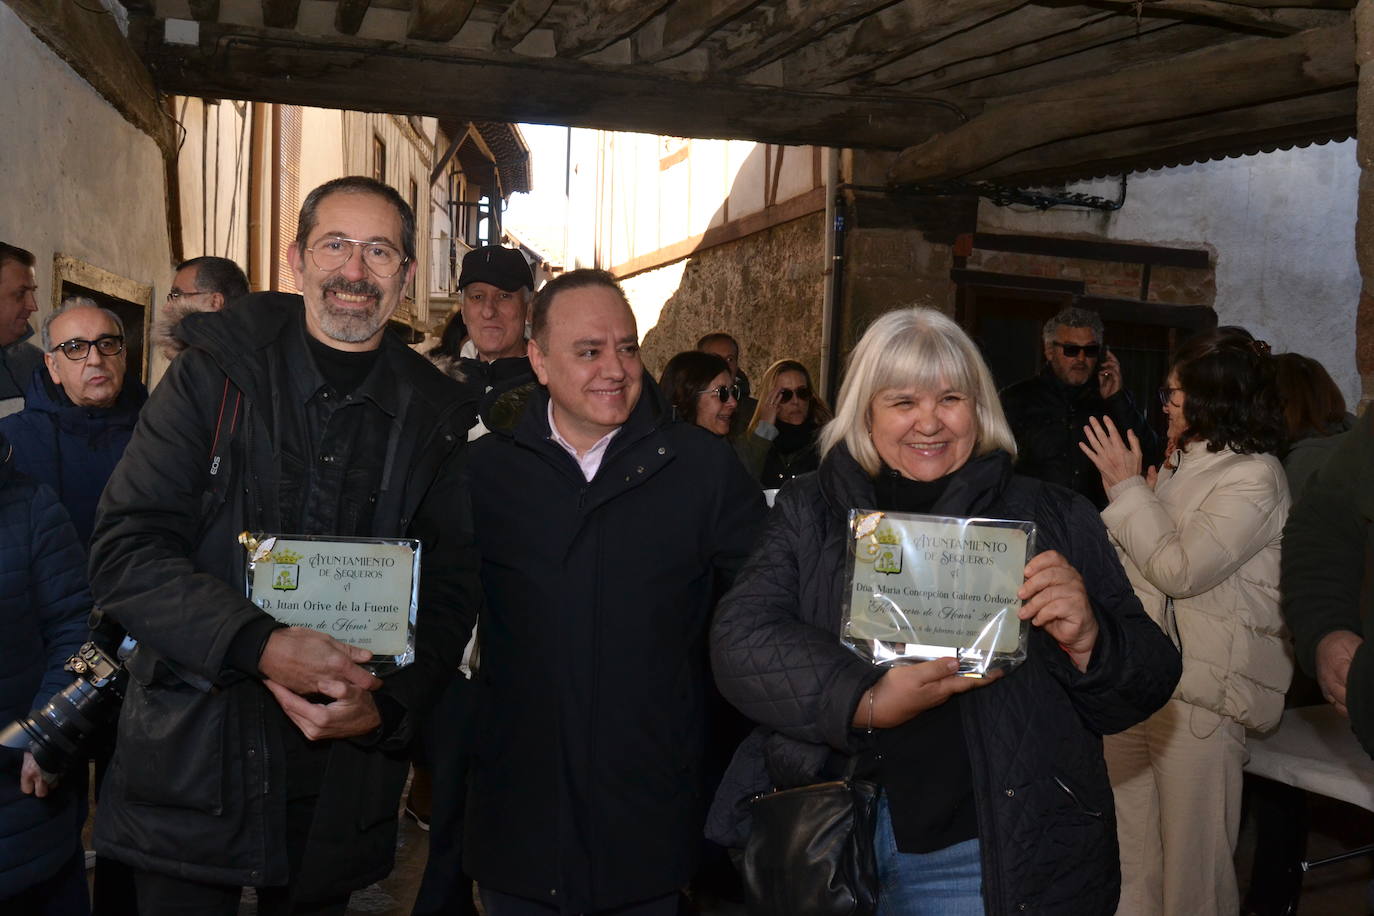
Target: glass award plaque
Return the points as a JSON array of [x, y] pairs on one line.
[[362, 591], [922, 587]]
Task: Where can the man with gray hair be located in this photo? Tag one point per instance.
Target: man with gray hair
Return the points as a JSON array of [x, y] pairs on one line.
[[18, 357], [495, 285], [79, 408], [1047, 412]]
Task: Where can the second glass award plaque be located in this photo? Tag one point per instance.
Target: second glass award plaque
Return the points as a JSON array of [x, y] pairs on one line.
[[922, 587]]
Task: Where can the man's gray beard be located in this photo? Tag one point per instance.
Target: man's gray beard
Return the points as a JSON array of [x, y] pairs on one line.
[[351, 326]]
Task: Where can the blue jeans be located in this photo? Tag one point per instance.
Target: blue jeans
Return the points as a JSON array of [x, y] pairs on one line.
[[947, 882]]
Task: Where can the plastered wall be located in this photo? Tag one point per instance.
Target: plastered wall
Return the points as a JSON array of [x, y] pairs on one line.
[[1281, 227], [77, 179]]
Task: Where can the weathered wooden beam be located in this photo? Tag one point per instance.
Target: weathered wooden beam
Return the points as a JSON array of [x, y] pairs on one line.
[[1055, 61], [775, 29], [593, 24], [686, 25], [280, 14], [437, 20], [235, 62], [1248, 72], [1266, 126], [517, 21], [205, 10], [1280, 18], [889, 35], [94, 47], [348, 17], [1023, 37], [1364, 208]]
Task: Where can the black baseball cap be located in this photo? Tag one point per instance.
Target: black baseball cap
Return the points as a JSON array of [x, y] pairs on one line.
[[504, 268]]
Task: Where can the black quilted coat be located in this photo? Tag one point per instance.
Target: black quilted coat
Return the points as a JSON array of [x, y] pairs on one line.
[[1045, 813]]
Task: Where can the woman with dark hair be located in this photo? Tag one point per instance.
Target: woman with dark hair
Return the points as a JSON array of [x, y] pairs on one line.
[[701, 390], [780, 442], [1200, 542], [1314, 416]]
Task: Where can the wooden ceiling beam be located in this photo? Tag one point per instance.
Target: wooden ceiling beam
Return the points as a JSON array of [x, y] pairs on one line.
[[1024, 37], [889, 35], [594, 24], [519, 19], [348, 18], [204, 10], [280, 14], [1074, 57], [1186, 140], [775, 29], [437, 20], [1280, 18], [94, 47], [236, 62], [1249, 72], [686, 25]]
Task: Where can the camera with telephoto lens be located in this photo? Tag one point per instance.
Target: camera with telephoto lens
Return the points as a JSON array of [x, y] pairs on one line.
[[59, 734]]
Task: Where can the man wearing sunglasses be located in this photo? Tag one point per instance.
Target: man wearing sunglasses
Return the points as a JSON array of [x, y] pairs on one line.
[[1047, 412], [79, 409]]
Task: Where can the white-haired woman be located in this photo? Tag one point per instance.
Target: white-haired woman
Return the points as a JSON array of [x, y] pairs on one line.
[[994, 793]]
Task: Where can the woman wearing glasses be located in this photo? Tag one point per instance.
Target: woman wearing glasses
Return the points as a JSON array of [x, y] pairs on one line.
[[780, 442], [701, 390], [1200, 542]]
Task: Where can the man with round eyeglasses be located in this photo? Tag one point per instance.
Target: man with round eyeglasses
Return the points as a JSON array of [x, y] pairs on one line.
[[79, 408], [252, 753], [1047, 412]]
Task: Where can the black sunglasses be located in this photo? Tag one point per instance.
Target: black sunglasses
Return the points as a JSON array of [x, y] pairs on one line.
[[1166, 396], [802, 392], [724, 392], [1072, 350]]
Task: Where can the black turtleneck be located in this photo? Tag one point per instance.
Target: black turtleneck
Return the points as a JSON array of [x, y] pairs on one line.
[[343, 370], [923, 764]]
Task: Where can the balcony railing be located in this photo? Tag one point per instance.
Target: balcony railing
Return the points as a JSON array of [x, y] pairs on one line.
[[445, 263]]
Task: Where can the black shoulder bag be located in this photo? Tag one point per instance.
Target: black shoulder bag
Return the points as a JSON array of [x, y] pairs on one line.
[[810, 851]]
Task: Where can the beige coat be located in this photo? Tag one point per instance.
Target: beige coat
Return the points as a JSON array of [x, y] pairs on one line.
[[1208, 536]]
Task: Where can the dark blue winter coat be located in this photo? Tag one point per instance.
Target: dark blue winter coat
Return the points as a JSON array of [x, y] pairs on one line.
[[43, 604], [72, 449]]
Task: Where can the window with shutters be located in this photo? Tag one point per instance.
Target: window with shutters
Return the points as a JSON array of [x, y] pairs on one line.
[[379, 158]]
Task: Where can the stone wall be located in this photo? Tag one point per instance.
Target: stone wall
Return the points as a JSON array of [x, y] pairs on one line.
[[766, 289]]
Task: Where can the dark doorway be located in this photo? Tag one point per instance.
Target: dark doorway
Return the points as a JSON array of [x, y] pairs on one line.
[[1006, 323]]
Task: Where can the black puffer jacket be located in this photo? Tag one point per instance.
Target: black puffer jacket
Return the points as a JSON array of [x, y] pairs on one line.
[[1047, 417], [1045, 814]]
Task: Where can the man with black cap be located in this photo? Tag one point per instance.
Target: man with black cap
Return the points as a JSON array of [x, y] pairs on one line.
[[495, 285]]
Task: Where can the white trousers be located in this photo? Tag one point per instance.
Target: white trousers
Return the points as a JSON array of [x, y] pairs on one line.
[[1177, 781]]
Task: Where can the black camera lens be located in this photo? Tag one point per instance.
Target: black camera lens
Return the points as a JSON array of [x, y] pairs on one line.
[[59, 734]]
